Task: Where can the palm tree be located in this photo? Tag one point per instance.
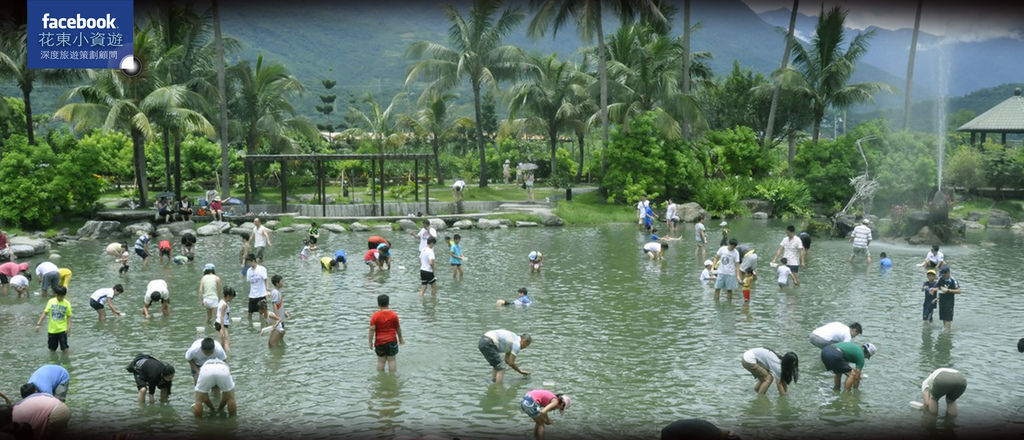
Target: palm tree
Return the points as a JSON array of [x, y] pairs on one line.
[[476, 53], [380, 125], [222, 102], [588, 15], [14, 64], [546, 99], [434, 119], [262, 108], [910, 67], [822, 70], [785, 63], [114, 101]]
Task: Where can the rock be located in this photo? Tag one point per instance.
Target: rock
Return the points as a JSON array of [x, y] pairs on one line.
[[503, 226], [162, 232], [306, 197], [383, 227], [522, 224], [974, 226], [486, 223], [177, 228], [300, 226], [247, 225], [760, 215], [272, 224], [286, 229], [99, 228], [359, 227], [333, 227], [551, 220], [844, 224], [463, 224], [28, 246], [134, 228], [124, 215], [123, 203], [23, 250], [974, 216], [504, 222], [914, 221], [213, 228], [924, 236], [239, 231], [997, 218], [438, 224], [757, 205], [406, 225], [1017, 227], [54, 257], [688, 212]]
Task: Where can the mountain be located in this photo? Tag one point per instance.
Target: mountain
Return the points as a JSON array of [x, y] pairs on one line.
[[925, 114]]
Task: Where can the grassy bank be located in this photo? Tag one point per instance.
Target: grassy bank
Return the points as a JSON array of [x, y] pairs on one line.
[[1014, 207], [591, 209]]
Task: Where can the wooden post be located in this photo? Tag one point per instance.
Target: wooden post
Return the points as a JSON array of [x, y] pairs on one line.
[[373, 185], [416, 179], [983, 137], [323, 189], [1004, 139], [247, 189], [972, 137], [284, 186], [382, 212], [426, 190]]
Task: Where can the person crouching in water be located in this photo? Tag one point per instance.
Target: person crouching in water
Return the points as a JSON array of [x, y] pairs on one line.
[[767, 366], [538, 403]]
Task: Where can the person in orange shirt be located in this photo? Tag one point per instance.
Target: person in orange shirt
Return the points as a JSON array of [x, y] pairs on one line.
[[385, 334]]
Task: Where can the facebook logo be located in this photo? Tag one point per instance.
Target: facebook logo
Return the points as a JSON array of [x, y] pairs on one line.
[[79, 34]]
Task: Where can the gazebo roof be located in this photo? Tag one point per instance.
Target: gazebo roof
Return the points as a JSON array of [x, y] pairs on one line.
[[1006, 117]]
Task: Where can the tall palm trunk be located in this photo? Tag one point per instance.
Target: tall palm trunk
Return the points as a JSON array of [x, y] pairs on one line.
[[579, 167], [480, 133], [167, 160], [177, 165], [139, 157], [26, 93], [686, 62], [250, 171], [602, 66], [776, 94], [910, 67], [553, 136], [818, 116], [225, 178], [435, 143], [792, 151]]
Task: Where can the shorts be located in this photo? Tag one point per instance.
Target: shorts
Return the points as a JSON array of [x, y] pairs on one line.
[[456, 264], [165, 251], [50, 280], [368, 262], [674, 220], [215, 374], [257, 304], [794, 268], [61, 391], [210, 303], [701, 244], [427, 277], [781, 284], [280, 329], [53, 339], [948, 385], [387, 349], [946, 302], [4, 279], [141, 253], [491, 353], [536, 265], [858, 251], [259, 252], [530, 406], [217, 326], [819, 342], [834, 361], [726, 282], [759, 372], [96, 305], [312, 239]]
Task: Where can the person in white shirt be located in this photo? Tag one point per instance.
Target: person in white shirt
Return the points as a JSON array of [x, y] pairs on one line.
[[835, 332], [500, 347], [427, 268], [701, 235], [156, 290], [48, 275], [861, 238], [202, 350], [259, 285], [535, 260], [103, 298], [943, 382], [457, 189], [20, 284], [728, 277], [767, 366], [260, 239], [705, 275], [671, 216], [641, 210], [425, 233], [655, 250], [223, 322], [784, 274], [214, 374], [933, 259], [793, 249]]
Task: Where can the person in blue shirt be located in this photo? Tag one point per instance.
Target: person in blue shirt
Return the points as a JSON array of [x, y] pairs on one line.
[[384, 249], [341, 258], [931, 299], [457, 257], [648, 218], [523, 300], [50, 379], [885, 262]]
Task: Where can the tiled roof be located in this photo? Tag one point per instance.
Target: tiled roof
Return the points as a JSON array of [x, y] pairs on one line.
[[1008, 116]]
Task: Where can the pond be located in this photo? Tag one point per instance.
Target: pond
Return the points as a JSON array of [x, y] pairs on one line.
[[637, 344]]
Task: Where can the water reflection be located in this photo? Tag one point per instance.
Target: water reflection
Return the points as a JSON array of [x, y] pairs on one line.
[[384, 404], [499, 398]]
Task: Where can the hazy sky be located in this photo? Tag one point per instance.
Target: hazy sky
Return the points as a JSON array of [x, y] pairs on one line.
[[959, 20]]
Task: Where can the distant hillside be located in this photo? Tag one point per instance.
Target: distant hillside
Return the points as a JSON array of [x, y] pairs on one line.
[[924, 115]]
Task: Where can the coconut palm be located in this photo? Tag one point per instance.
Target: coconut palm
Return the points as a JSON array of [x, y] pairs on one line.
[[14, 65], [820, 71], [910, 67], [381, 125], [777, 90], [545, 99], [222, 102], [587, 15], [434, 120], [475, 53], [114, 101]]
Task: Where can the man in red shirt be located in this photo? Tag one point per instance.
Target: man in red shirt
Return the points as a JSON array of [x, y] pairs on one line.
[[388, 333], [165, 250]]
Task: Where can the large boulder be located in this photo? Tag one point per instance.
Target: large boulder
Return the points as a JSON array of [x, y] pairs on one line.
[[438, 224], [974, 216], [28, 246], [383, 227], [924, 236], [213, 228], [134, 228], [237, 230], [757, 205], [1017, 227], [760, 215], [463, 224], [333, 227], [522, 224], [688, 212], [406, 225], [359, 227], [486, 223], [300, 227], [997, 218], [162, 232], [247, 225], [551, 220], [286, 229], [273, 224], [177, 228], [975, 226], [504, 222], [99, 228]]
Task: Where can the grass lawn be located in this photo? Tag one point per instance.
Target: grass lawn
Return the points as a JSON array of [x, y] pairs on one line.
[[1014, 207], [591, 209]]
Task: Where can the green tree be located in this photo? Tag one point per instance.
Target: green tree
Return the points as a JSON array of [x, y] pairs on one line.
[[476, 53], [641, 161], [739, 152], [434, 119], [826, 168], [381, 126], [822, 71]]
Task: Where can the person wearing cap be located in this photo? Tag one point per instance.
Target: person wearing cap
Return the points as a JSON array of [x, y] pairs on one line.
[[103, 298], [695, 429], [837, 358], [947, 288], [701, 236], [209, 290], [10, 270], [538, 403], [943, 382], [792, 248], [931, 299], [496, 344], [726, 260], [217, 210], [536, 260], [156, 290], [522, 300], [706, 276], [150, 373], [725, 233], [834, 332], [861, 237]]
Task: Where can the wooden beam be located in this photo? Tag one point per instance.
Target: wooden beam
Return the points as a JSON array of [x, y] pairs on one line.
[[1004, 138], [323, 189], [972, 137], [373, 185], [416, 179], [426, 189], [284, 186], [382, 212], [247, 189]]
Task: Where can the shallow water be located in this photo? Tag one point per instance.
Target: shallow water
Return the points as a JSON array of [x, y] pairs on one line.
[[637, 344]]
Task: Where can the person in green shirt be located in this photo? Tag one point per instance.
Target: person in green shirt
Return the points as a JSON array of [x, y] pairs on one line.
[[58, 328], [837, 358], [313, 235]]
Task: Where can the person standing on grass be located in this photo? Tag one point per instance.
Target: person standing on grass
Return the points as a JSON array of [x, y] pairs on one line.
[[260, 239], [385, 334], [701, 235], [505, 171], [948, 288], [792, 248], [209, 290], [259, 286], [861, 237], [457, 190], [428, 268], [58, 316], [457, 257], [103, 298]]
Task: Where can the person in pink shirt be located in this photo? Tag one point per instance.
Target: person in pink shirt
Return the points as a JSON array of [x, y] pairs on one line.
[[47, 415], [5, 247], [9, 270], [538, 403]]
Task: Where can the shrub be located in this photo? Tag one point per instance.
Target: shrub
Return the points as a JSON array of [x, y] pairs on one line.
[[41, 186], [721, 197], [640, 161], [965, 167], [787, 195], [826, 167], [739, 152]]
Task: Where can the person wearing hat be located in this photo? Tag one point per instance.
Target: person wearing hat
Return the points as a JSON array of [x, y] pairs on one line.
[[931, 299], [536, 260], [725, 233], [538, 403], [834, 332], [861, 237], [705, 275], [217, 209], [947, 287], [209, 290], [151, 374], [792, 248], [10, 270], [943, 382], [506, 171], [837, 358]]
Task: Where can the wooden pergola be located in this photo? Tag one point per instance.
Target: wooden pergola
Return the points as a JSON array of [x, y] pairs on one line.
[[319, 159], [1005, 118]]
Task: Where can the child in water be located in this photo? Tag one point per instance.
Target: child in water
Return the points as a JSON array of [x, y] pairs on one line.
[[784, 273], [535, 260], [306, 250], [523, 300], [455, 249], [123, 259], [931, 297], [705, 275], [748, 283]]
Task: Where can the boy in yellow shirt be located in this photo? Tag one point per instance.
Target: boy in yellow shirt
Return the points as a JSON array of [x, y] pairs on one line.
[[748, 283], [58, 327]]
